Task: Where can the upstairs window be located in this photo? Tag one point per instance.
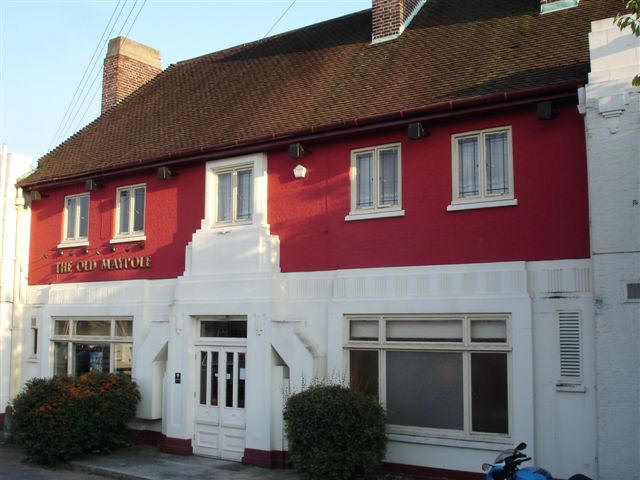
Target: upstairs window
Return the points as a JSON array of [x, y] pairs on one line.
[[234, 195], [482, 169], [130, 211], [76, 218], [375, 182]]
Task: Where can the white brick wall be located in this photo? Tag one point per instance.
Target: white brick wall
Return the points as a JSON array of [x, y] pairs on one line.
[[612, 117]]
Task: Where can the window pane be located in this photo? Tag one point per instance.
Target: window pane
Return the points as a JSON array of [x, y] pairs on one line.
[[489, 398], [91, 358], [424, 389], [229, 386], [138, 210], [223, 328], [496, 163], [242, 376], [71, 217], [123, 205], [224, 197], [61, 327], [93, 327], [214, 379], [364, 179], [244, 195], [424, 330], [124, 328], [84, 216], [203, 378], [489, 331], [468, 167], [363, 371], [124, 357], [389, 176], [60, 358], [363, 330]]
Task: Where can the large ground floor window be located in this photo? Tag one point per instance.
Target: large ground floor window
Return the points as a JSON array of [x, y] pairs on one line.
[[82, 345], [435, 374]]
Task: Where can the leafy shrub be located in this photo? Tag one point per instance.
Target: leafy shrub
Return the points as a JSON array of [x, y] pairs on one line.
[[59, 418], [335, 433]]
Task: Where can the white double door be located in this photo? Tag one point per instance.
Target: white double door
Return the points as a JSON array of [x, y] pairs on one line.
[[220, 420]]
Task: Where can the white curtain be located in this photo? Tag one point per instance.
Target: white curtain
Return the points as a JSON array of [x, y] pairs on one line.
[[244, 194], [468, 167], [364, 166], [388, 177], [124, 200], [224, 197], [71, 217], [496, 163], [84, 216]]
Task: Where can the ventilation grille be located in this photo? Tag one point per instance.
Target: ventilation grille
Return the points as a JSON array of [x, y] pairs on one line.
[[633, 291], [570, 348]]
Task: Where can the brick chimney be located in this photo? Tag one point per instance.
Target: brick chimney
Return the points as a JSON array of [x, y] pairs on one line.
[[389, 18], [127, 66], [547, 6]]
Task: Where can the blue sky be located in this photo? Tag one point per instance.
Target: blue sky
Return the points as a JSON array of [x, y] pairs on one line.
[[46, 46]]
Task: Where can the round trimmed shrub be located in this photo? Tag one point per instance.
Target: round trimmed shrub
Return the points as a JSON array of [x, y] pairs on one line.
[[335, 433], [59, 418]]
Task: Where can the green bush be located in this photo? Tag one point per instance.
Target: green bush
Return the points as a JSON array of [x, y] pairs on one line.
[[335, 433], [59, 418]]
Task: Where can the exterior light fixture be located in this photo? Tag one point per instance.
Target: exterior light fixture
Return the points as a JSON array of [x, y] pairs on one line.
[[296, 150], [165, 173], [113, 248], [299, 171], [85, 249], [36, 195], [416, 131], [546, 110], [141, 245], [60, 253], [91, 185]]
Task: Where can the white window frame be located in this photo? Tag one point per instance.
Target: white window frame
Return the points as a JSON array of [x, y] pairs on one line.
[[482, 200], [35, 346], [70, 339], [376, 210], [258, 164], [466, 347], [76, 240], [233, 170], [130, 235]]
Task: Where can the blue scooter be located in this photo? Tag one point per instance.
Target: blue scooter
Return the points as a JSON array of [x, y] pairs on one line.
[[507, 467]]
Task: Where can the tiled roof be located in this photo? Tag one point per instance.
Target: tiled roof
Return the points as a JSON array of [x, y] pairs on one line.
[[329, 72]]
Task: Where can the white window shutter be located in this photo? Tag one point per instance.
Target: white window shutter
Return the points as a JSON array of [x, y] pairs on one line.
[[570, 346]]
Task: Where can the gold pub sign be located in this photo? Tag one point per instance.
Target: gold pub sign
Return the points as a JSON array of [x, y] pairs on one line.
[[119, 263]]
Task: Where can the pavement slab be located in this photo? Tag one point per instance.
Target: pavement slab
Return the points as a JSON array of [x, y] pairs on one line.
[[148, 463]]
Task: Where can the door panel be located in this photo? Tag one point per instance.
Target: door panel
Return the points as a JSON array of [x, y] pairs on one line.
[[220, 420]]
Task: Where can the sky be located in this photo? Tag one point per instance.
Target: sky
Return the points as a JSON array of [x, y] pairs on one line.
[[47, 48]]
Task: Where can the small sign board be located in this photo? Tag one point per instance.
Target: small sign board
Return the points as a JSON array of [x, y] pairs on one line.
[[178, 377]]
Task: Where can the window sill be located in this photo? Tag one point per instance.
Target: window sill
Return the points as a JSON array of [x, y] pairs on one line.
[[484, 204], [131, 238], [571, 388], [373, 214], [493, 445], [70, 244]]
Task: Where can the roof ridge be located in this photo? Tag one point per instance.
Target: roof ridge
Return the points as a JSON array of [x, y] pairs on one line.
[[253, 43]]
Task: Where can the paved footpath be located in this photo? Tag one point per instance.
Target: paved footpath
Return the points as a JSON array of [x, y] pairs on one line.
[[136, 463], [12, 467]]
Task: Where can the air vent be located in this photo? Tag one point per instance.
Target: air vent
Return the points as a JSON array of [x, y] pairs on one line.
[[633, 291], [570, 346]]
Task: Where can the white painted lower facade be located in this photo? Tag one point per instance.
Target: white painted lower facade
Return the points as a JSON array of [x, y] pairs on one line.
[[296, 334]]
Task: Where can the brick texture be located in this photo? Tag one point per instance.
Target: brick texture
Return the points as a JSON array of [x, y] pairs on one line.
[[388, 16], [122, 76]]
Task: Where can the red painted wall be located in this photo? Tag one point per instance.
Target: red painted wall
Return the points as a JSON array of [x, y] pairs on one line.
[[549, 222], [174, 209]]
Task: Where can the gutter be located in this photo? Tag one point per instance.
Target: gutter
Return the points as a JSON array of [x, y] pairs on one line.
[[437, 111]]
